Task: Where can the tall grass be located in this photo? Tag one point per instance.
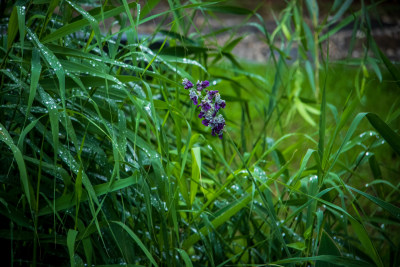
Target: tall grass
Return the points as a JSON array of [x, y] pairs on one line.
[[104, 161]]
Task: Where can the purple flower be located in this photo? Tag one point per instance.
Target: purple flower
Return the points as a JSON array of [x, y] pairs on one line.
[[205, 122], [205, 106], [217, 126], [211, 103], [195, 100], [211, 94], [220, 104], [194, 97], [188, 84], [202, 85]]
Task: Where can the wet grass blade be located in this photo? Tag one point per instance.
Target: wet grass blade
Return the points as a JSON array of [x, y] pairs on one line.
[[54, 63], [66, 201], [71, 236], [12, 27], [138, 242], [185, 257], [336, 260], [366, 242], [395, 211], [387, 133], [77, 25], [35, 70], [6, 138]]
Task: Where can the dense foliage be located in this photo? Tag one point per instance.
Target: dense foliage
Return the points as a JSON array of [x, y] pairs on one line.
[[105, 161]]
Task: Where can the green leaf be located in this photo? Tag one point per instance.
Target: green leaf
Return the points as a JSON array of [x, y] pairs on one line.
[[228, 9], [366, 242], [149, 6], [21, 26], [391, 137], [322, 126], [185, 257], [26, 130], [138, 241], [395, 211], [12, 27], [312, 7], [77, 25], [71, 236], [327, 247], [310, 75], [298, 245], [338, 260], [196, 173], [343, 7], [54, 63], [93, 22], [231, 45], [51, 106], [6, 138], [36, 68], [66, 201]]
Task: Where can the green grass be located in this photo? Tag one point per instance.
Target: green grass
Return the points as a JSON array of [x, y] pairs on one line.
[[104, 161]]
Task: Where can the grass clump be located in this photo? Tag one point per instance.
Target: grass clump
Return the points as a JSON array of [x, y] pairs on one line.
[[104, 161]]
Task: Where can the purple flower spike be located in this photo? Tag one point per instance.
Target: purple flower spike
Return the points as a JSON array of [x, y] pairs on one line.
[[194, 97], [205, 84], [211, 94], [205, 106], [210, 104], [217, 125], [202, 85], [219, 105], [205, 122], [188, 84]]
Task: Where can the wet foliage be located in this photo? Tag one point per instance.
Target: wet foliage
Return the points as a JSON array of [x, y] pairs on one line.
[[105, 161]]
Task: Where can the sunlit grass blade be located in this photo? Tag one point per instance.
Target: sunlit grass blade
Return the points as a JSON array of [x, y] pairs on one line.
[[196, 173]]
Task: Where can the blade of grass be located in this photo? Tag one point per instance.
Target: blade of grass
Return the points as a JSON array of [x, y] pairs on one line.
[[66, 201], [137, 241], [6, 138], [71, 236]]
